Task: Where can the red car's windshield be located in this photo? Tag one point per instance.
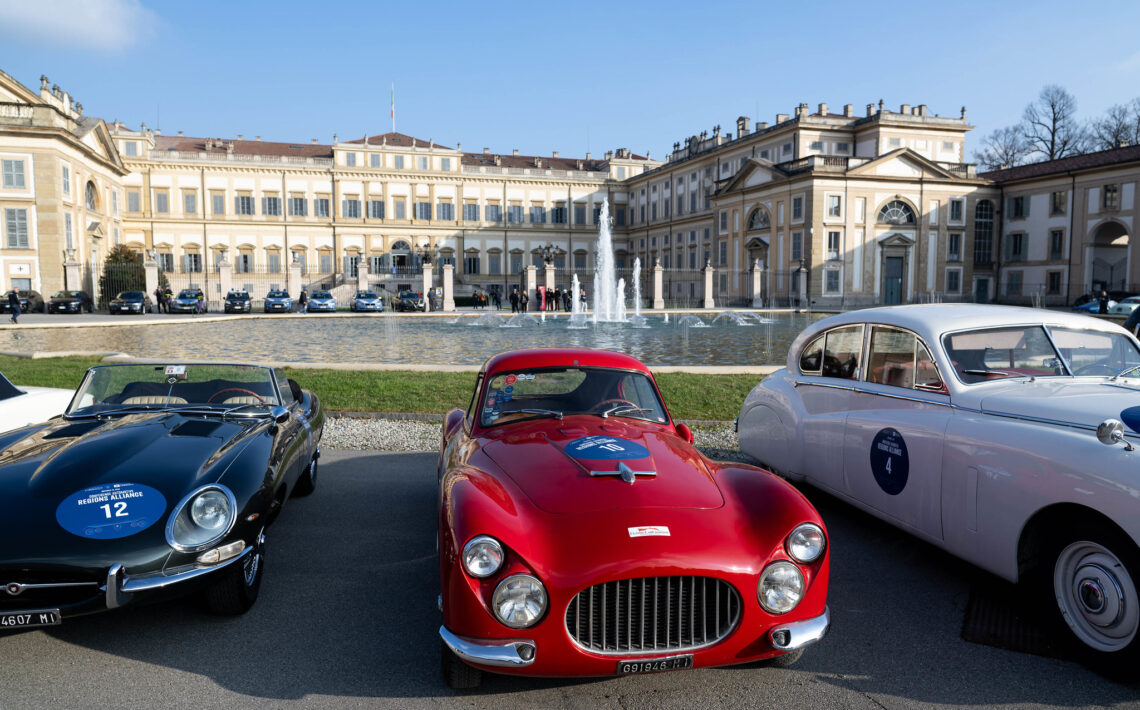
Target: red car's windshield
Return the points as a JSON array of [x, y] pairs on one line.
[[558, 392]]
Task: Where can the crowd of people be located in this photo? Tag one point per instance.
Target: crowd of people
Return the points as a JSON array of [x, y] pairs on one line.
[[553, 300]]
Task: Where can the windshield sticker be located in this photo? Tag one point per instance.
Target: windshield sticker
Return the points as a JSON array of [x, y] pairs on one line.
[[649, 531], [510, 379], [606, 448], [110, 511], [890, 461], [508, 389]]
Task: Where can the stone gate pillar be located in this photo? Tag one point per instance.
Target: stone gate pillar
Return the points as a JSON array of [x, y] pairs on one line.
[[427, 285], [226, 276], [757, 285], [449, 287], [293, 280], [658, 285], [710, 299], [71, 274], [150, 266], [532, 287], [803, 273]]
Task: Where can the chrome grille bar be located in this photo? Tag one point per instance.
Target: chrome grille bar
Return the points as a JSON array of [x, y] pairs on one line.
[[651, 614]]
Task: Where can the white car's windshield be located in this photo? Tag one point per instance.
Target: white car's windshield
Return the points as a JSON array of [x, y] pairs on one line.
[[1020, 351], [561, 392], [109, 388]]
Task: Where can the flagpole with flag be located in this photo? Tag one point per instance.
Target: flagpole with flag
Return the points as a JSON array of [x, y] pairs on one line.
[[393, 107]]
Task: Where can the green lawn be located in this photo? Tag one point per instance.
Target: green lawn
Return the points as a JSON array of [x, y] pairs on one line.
[[714, 397]]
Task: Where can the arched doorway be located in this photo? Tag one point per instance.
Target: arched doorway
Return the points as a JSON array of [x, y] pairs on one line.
[[1108, 257]]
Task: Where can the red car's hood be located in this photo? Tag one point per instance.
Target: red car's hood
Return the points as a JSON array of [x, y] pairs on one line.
[[552, 463]]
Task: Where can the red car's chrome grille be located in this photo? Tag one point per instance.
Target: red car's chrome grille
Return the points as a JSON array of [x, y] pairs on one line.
[[652, 614]]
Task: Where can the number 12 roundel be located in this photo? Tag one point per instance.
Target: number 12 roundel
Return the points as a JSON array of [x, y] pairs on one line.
[[890, 461], [111, 510]]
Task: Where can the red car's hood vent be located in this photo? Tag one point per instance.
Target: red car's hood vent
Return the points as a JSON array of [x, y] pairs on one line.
[[604, 465]]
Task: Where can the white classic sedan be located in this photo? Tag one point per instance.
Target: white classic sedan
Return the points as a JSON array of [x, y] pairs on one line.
[[20, 406], [1003, 435]]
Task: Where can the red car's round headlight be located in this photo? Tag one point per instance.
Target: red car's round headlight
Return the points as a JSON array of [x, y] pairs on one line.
[[519, 601], [806, 543], [482, 556]]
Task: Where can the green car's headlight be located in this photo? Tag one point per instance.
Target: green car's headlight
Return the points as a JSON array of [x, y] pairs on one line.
[[202, 518]]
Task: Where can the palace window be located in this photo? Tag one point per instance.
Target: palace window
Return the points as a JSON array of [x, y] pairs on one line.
[[1053, 282], [1111, 199], [374, 160], [89, 196], [400, 207], [984, 232], [797, 208], [580, 214], [1015, 247], [445, 211], [376, 209], [423, 164], [350, 159], [16, 228], [423, 210], [1018, 207], [953, 281], [133, 201], [399, 162], [834, 206], [271, 206], [320, 207], [66, 180], [1057, 202], [297, 206], [833, 245], [797, 246], [190, 202], [537, 214], [1056, 243], [161, 202], [558, 215], [955, 210], [494, 213], [243, 204], [471, 212], [514, 214], [832, 280], [896, 212], [954, 248]]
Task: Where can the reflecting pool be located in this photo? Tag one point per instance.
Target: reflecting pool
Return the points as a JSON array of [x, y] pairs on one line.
[[729, 338]]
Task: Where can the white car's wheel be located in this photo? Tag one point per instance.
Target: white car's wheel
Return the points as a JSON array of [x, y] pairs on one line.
[[1095, 593]]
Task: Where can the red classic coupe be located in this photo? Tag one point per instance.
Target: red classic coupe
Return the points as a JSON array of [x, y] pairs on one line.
[[582, 534]]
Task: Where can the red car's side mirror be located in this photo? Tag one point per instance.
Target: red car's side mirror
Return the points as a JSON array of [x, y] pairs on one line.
[[452, 423], [685, 433]]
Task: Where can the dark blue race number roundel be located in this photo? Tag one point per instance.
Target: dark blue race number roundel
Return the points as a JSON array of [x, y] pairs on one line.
[[1131, 418], [111, 510], [889, 461], [605, 448]]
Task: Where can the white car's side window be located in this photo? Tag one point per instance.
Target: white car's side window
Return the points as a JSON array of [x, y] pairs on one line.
[[899, 358], [812, 357], [841, 352]]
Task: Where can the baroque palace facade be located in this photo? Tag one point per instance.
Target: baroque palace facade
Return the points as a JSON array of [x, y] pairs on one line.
[[841, 209]]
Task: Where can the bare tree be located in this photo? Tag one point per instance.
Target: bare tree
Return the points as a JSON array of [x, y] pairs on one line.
[[1004, 148], [1050, 125], [1120, 126]]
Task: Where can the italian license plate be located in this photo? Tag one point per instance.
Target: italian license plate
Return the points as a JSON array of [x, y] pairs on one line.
[[655, 665], [25, 619]]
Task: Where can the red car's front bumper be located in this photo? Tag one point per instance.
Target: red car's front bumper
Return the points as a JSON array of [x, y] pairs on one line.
[[548, 651]]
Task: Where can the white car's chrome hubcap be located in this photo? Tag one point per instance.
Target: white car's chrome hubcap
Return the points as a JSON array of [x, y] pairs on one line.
[[1096, 596]]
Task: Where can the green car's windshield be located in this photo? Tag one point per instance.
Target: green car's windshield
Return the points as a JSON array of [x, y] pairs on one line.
[[113, 387], [561, 392]]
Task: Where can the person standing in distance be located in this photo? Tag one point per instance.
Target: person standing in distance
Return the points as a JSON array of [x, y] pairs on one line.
[[14, 305]]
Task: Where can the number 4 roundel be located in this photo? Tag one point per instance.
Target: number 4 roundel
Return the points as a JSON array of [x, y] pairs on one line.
[[890, 462]]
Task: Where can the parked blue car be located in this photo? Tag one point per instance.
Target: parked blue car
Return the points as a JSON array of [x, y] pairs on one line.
[[278, 302], [321, 301], [366, 301]]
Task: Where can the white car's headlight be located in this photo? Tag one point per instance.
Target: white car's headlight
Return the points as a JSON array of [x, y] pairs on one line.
[[806, 543], [201, 518], [519, 601], [781, 587], [482, 556]]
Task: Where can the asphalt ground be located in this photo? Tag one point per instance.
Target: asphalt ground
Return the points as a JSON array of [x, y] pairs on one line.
[[347, 618]]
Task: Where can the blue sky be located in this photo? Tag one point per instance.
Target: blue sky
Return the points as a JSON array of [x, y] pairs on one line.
[[569, 77]]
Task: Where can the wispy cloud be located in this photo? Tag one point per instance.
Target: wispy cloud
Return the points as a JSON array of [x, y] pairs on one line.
[[102, 25], [1129, 64]]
